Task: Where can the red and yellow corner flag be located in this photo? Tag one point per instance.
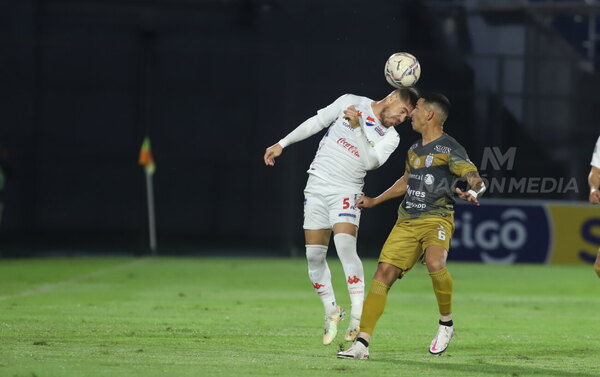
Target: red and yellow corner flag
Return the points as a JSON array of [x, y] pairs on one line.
[[146, 159]]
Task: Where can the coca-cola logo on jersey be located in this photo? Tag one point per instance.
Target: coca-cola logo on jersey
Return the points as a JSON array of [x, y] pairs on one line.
[[351, 148]]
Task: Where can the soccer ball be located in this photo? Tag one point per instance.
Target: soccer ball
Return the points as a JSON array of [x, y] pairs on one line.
[[402, 70]]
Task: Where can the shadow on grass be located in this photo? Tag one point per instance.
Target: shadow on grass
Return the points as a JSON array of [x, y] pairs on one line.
[[482, 368]]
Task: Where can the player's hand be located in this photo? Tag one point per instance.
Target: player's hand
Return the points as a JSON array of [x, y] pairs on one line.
[[595, 197], [351, 115], [272, 153], [365, 202], [466, 196]]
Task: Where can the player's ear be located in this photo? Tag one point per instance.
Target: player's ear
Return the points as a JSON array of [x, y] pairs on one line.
[[430, 114]]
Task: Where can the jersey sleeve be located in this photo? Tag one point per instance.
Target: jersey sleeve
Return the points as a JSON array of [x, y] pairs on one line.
[[329, 114], [386, 147], [373, 156], [316, 123], [459, 162], [596, 155]]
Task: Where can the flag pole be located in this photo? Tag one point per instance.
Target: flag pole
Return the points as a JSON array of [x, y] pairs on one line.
[[147, 161], [151, 217]]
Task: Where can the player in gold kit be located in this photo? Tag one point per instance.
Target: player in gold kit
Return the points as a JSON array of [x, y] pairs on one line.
[[425, 220]]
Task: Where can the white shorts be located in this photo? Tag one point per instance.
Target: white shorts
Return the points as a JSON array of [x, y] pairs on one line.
[[322, 209]]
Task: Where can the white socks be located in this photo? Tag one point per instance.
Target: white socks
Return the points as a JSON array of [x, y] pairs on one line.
[[345, 245], [320, 276]]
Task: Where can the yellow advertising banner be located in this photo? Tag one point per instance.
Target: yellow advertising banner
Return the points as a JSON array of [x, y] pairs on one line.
[[575, 233]]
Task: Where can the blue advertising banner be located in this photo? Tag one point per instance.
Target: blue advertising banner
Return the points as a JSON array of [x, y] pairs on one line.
[[526, 232]]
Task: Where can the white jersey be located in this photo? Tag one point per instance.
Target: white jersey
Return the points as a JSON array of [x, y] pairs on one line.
[[596, 155], [345, 154]]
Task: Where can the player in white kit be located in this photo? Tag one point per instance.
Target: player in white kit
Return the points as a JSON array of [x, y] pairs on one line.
[[594, 182], [360, 137]]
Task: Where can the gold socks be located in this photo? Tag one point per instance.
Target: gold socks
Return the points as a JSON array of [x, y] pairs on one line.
[[373, 307], [442, 286]]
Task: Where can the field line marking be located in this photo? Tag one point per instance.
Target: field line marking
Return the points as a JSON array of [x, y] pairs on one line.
[[45, 288]]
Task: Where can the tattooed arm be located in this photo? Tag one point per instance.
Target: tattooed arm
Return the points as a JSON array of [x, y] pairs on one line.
[[477, 188]]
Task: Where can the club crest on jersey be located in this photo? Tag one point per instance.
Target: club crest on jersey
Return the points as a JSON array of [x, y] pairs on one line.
[[428, 161], [370, 121]]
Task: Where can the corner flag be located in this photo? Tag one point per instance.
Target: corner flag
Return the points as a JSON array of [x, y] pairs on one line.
[[146, 159]]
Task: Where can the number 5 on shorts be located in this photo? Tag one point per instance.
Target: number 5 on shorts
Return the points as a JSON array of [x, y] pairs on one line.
[[346, 203]]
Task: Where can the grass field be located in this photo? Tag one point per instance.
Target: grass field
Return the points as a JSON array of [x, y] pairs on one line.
[[260, 317]]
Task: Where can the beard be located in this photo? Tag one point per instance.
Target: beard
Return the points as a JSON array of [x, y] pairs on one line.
[[385, 119]]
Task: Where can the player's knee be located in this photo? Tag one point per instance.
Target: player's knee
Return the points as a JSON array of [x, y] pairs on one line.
[[345, 242], [387, 273], [315, 254], [345, 245], [435, 265]]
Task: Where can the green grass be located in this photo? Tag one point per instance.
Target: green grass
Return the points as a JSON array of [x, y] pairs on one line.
[[260, 317]]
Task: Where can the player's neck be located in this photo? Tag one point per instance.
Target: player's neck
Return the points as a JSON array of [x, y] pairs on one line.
[[430, 134], [376, 108]]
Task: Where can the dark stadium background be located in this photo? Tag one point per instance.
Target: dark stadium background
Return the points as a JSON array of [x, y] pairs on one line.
[[214, 82]]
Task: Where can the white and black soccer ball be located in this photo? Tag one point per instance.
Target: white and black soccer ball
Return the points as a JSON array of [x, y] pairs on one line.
[[402, 70]]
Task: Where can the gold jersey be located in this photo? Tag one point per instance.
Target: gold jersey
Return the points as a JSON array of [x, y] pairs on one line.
[[432, 172]]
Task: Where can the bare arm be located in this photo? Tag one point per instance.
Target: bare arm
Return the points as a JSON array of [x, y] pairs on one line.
[[594, 182], [474, 181], [397, 189], [477, 188]]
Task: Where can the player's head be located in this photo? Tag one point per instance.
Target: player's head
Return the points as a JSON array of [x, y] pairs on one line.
[[431, 108], [397, 106]]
